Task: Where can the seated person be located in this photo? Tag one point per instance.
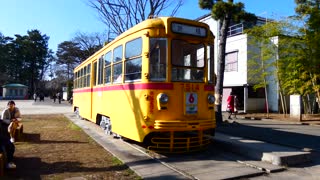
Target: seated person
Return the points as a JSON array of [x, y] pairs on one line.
[[7, 148], [12, 117]]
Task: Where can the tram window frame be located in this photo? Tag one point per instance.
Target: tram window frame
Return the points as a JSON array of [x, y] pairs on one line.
[[78, 79], [131, 75], [158, 59], [107, 69], [100, 70], [84, 76], [117, 73], [75, 80], [88, 75], [118, 54], [117, 63], [94, 73], [186, 64], [81, 75], [133, 60]]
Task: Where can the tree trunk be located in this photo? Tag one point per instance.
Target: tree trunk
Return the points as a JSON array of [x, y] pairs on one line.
[[221, 66]]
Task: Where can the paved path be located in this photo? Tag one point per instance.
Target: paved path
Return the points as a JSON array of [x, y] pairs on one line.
[[278, 132], [44, 107], [151, 169]]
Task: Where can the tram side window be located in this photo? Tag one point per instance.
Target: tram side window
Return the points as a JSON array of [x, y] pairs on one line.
[[133, 62], [75, 80], [100, 70], [158, 59], [117, 65], [88, 74], [133, 69], [84, 76], [81, 79], [94, 73], [107, 61], [117, 73]]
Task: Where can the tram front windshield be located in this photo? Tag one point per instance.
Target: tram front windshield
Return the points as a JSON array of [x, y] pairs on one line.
[[187, 61]]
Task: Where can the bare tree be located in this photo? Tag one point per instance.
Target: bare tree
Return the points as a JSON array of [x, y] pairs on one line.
[[89, 43], [120, 15]]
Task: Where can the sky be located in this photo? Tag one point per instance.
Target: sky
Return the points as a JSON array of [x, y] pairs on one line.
[[62, 19]]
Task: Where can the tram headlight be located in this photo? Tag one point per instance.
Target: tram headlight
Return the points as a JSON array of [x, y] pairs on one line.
[[162, 101], [211, 99], [163, 98]]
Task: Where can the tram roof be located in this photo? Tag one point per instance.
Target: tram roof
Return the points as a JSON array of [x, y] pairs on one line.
[[159, 22]]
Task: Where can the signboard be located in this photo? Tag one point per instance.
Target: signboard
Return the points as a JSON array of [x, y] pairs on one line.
[[191, 100], [188, 29]]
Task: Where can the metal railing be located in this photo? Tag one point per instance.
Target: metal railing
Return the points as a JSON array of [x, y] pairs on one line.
[[235, 30]]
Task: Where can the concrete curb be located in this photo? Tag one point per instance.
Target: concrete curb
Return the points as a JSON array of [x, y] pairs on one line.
[[262, 151], [266, 119]]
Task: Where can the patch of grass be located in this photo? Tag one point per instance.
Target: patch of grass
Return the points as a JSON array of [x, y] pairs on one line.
[[74, 127], [129, 172], [90, 140], [116, 161]]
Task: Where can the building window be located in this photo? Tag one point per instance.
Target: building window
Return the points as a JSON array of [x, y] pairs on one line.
[[231, 61]]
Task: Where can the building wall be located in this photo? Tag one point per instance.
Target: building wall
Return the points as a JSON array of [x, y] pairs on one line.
[[240, 78]]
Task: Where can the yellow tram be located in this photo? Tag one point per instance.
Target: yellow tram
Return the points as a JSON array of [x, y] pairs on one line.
[[154, 84]]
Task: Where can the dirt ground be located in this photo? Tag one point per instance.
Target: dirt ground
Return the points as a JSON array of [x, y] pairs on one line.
[[53, 147]]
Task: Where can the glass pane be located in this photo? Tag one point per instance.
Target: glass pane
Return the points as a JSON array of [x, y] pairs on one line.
[[108, 74], [94, 73], [117, 54], [107, 58], [158, 59], [88, 68], [117, 73], [100, 70], [133, 48], [187, 54], [187, 74], [88, 80], [133, 69]]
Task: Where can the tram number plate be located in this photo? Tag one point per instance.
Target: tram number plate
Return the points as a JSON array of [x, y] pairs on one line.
[[191, 103]]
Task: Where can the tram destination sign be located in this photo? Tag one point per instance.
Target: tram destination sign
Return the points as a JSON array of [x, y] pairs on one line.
[[188, 29]]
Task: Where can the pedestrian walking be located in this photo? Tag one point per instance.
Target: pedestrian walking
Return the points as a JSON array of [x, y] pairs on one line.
[[54, 98], [35, 97], [59, 96], [230, 105]]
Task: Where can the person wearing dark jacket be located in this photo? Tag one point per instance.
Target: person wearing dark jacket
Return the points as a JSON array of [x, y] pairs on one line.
[[7, 148], [12, 117]]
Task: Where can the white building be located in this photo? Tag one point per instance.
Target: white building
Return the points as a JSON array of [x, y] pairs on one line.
[[236, 70]]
